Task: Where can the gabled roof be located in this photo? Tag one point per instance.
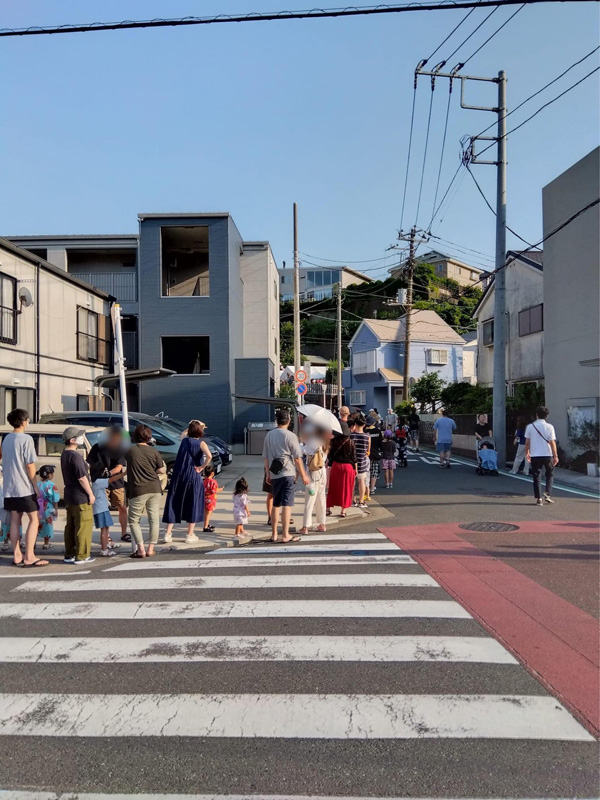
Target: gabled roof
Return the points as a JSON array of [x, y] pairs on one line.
[[427, 326], [531, 258]]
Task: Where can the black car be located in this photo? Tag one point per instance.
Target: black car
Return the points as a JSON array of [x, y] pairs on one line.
[[225, 450]]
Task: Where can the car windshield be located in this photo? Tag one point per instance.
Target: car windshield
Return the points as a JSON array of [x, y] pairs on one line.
[[173, 424]]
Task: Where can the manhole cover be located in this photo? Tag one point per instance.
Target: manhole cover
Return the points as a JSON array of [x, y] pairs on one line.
[[505, 494], [489, 527]]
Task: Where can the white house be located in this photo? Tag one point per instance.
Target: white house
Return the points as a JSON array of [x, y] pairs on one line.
[[525, 319]]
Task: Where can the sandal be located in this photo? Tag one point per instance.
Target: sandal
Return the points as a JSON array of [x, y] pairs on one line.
[[38, 563], [343, 514], [291, 539], [210, 529], [137, 555], [126, 537]]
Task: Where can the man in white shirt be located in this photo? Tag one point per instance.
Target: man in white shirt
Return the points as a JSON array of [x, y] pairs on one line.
[[540, 450]]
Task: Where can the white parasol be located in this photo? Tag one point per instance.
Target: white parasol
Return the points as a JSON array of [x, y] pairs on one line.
[[321, 417]]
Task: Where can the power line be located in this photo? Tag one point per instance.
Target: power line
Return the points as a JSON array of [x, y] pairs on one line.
[[454, 177], [488, 204], [481, 24], [424, 155], [437, 185], [317, 13], [410, 137], [452, 32], [489, 39], [334, 261]]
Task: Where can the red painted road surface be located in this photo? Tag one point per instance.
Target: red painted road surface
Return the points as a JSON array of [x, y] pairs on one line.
[[556, 641]]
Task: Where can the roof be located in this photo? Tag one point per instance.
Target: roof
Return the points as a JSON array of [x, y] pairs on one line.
[[430, 255], [357, 273], [532, 258], [185, 215], [5, 244], [426, 326], [392, 375]]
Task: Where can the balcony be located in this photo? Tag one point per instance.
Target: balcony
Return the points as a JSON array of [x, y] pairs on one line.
[[122, 285]]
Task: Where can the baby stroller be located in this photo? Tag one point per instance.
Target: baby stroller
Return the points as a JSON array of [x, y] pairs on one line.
[[487, 461], [401, 457]]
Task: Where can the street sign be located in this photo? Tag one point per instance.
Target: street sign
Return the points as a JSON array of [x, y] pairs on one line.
[[301, 388], [301, 375]]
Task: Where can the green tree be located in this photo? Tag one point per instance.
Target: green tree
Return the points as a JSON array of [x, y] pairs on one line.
[[331, 375], [286, 392], [463, 398], [286, 343], [427, 390]]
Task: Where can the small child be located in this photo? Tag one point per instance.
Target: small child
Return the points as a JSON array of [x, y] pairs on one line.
[[48, 504], [388, 458], [102, 518], [241, 512], [211, 488]]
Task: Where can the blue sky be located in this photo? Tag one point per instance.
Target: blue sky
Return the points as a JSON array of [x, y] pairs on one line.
[[249, 118]]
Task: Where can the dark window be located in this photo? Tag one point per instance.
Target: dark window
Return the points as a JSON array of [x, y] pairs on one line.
[[185, 268], [488, 332], [94, 342], [129, 331], [531, 320], [186, 355], [8, 309], [83, 402]]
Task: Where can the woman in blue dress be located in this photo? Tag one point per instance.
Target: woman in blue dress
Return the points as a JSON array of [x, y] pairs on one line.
[[185, 498]]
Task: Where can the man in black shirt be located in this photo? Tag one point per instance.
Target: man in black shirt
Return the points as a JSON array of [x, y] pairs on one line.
[[413, 429], [111, 455], [376, 435], [79, 499]]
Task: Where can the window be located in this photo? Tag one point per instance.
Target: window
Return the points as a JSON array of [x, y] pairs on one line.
[[275, 290], [310, 279], [365, 361], [185, 263], [326, 277], [282, 279], [94, 342], [531, 320], [458, 271], [186, 355], [440, 267], [488, 332], [437, 356], [55, 444], [8, 309], [318, 278], [83, 402], [358, 398]]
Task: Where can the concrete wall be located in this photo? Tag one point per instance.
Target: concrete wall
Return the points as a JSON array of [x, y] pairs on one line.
[[61, 375], [253, 378], [260, 279], [571, 292]]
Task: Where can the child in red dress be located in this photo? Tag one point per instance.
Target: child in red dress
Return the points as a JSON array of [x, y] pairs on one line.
[[211, 488]]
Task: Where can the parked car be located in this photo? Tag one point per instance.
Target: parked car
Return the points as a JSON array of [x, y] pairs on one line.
[[225, 450], [167, 438], [49, 445]]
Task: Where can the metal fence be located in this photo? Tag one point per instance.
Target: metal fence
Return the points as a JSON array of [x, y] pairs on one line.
[[122, 285]]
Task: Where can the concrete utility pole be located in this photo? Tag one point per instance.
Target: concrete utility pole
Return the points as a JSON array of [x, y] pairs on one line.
[[410, 272], [297, 353], [340, 398], [120, 365]]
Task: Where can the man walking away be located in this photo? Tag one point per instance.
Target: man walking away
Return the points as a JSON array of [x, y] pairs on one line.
[[540, 450], [283, 456], [414, 421], [344, 414], [376, 437], [391, 420], [362, 445], [444, 427], [79, 499]]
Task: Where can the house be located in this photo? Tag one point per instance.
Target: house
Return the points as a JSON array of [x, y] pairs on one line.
[[317, 283], [470, 357], [446, 267], [197, 299], [525, 323], [571, 292], [375, 377], [55, 335]]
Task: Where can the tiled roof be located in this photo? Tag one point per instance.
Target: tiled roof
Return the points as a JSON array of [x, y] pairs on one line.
[[427, 326], [392, 375]]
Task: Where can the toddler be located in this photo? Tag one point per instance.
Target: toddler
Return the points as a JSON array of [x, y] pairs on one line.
[[211, 488], [48, 504], [102, 518], [241, 512]]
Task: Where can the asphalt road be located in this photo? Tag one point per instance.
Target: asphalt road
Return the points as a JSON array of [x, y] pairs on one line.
[[381, 690]]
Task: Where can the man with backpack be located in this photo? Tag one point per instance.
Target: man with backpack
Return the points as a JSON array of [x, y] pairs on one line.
[[540, 450]]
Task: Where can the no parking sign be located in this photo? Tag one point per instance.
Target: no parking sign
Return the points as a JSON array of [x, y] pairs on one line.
[[301, 388]]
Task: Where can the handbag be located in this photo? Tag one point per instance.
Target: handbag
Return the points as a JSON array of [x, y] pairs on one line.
[[276, 466], [316, 461]]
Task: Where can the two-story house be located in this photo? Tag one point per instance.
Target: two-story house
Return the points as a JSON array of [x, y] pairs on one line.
[[446, 267], [196, 300], [525, 320], [318, 283], [375, 377]]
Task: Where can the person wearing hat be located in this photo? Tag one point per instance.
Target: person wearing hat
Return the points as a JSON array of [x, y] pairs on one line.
[[79, 498]]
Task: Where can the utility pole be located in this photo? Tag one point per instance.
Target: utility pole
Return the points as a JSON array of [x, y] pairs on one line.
[[340, 399], [297, 352], [120, 365], [409, 272], [470, 157]]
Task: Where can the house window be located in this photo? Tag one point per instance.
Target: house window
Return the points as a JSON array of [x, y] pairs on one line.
[[8, 309], [326, 277], [437, 356], [531, 320], [440, 267], [365, 361], [458, 271], [310, 279], [358, 398], [488, 332], [83, 402], [275, 290], [94, 342], [185, 267], [186, 355]]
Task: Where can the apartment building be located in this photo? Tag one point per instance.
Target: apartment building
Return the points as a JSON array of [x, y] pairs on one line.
[[318, 283]]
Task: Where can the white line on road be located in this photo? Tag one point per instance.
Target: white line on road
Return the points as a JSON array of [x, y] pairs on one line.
[[288, 561], [358, 579], [240, 609], [305, 548], [341, 538], [290, 716], [41, 574], [17, 795], [471, 649]]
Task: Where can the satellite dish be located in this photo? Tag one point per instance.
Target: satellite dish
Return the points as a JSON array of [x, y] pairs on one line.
[[25, 297]]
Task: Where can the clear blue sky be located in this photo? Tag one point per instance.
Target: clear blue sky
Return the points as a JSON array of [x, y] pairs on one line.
[[248, 118]]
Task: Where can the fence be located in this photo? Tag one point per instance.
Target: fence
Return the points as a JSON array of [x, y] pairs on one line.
[[122, 285]]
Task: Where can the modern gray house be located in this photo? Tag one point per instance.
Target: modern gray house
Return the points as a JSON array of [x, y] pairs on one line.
[[197, 300]]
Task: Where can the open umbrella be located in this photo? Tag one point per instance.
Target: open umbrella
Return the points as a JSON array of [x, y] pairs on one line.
[[321, 417]]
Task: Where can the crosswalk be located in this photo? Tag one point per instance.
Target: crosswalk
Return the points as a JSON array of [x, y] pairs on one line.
[[339, 638]]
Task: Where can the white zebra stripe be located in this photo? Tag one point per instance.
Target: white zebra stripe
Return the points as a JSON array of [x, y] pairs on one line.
[[290, 716], [18, 795], [399, 579], [239, 609], [252, 561], [341, 537], [470, 649], [296, 549]]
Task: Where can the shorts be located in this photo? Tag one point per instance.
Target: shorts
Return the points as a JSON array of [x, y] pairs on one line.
[[375, 469], [413, 433], [116, 497], [25, 505], [283, 491], [210, 502], [103, 520], [443, 447], [388, 463]]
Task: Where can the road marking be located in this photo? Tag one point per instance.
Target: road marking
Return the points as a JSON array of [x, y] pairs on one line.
[[239, 609], [17, 795], [290, 716], [341, 537], [358, 579], [40, 574], [305, 548], [289, 561], [471, 649]]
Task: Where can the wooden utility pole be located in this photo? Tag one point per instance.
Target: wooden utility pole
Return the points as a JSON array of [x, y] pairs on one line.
[[340, 399], [297, 351]]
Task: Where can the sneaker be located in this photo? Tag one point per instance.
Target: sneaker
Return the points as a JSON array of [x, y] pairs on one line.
[[539, 502], [68, 560], [166, 540], [107, 553], [191, 539], [548, 499], [87, 560], [373, 490]]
